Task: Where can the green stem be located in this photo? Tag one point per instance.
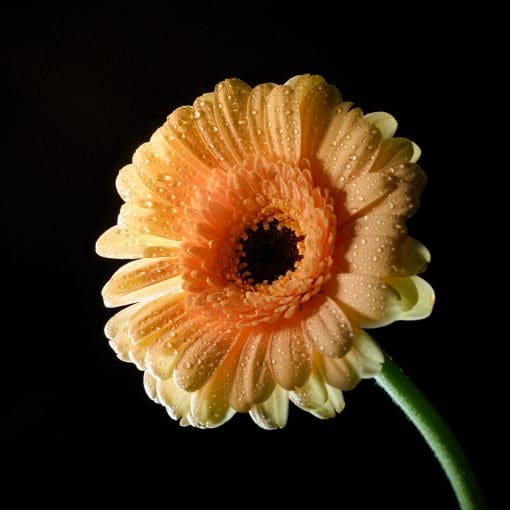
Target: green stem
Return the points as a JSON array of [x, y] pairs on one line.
[[435, 432]]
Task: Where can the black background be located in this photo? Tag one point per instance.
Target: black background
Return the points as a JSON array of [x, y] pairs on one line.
[[85, 88]]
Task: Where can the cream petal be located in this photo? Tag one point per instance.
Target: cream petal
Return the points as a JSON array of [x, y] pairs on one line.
[[335, 398], [369, 355], [175, 400], [416, 297], [273, 413], [282, 124], [414, 258], [185, 421], [335, 403], [120, 345], [313, 396], [119, 243], [149, 384], [254, 382], [349, 147], [289, 356], [210, 406], [395, 151], [384, 122], [416, 153], [116, 330], [119, 321], [327, 327], [316, 100], [137, 354], [142, 279], [199, 359], [257, 104]]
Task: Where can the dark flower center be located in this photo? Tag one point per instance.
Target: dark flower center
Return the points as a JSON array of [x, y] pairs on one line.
[[269, 252]]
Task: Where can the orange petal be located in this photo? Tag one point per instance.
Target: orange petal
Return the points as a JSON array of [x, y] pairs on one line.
[[376, 256], [161, 358], [364, 298], [360, 195], [393, 191], [403, 200], [164, 351], [282, 124], [257, 104], [141, 280], [364, 360], [210, 406], [121, 243], [349, 147], [154, 220], [372, 225], [316, 99], [231, 111], [156, 318], [289, 356], [372, 302], [207, 124], [342, 373], [200, 359], [327, 327], [184, 138], [254, 382]]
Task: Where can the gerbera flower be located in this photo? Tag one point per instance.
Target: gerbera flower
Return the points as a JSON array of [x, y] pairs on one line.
[[268, 228]]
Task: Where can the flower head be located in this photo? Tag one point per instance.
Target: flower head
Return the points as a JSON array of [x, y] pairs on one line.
[[268, 228]]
